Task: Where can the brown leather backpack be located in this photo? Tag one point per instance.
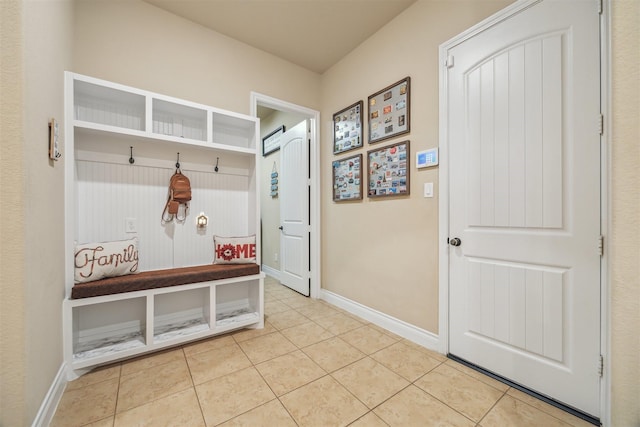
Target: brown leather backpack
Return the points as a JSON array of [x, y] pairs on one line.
[[179, 194]]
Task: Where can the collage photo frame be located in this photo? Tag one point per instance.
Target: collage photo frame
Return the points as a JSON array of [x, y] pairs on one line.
[[389, 111], [347, 128]]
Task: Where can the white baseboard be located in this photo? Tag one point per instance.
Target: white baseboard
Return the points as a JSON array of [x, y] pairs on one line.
[[405, 330], [270, 271], [52, 399]]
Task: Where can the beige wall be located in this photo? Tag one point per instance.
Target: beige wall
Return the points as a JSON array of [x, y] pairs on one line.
[[270, 206], [383, 253], [137, 44], [37, 36], [625, 206], [380, 253], [12, 280]]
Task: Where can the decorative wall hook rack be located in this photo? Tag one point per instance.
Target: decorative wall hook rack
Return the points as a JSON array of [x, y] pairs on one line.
[[178, 162]]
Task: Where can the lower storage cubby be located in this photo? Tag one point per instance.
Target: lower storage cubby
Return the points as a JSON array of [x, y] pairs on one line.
[[181, 314], [120, 326], [105, 329], [238, 304]]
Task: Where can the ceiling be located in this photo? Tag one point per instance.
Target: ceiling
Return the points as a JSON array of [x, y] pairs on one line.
[[314, 34]]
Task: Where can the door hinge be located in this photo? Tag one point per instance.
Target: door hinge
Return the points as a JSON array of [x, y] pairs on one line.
[[601, 245], [601, 366], [601, 124], [449, 61]]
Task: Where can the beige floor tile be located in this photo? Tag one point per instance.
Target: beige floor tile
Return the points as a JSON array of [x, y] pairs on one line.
[[369, 381], [513, 412], [207, 365], [208, 344], [306, 334], [151, 360], [549, 409], [270, 414], [269, 297], [316, 311], [288, 372], [477, 375], [460, 391], [154, 383], [414, 407], [333, 354], [287, 319], [275, 306], [227, 397], [339, 323], [86, 405], [247, 334], [180, 409], [369, 420], [406, 361], [283, 292], [367, 339], [95, 376], [386, 332], [107, 422], [433, 354], [267, 347], [323, 402], [298, 301]]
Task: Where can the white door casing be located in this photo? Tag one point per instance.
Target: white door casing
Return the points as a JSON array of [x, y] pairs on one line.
[[294, 208], [523, 108]]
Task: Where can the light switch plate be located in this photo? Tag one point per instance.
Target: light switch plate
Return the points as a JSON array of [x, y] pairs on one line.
[[428, 189], [131, 225]]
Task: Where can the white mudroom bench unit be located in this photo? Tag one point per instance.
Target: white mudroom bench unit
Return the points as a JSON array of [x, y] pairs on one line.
[[120, 150]]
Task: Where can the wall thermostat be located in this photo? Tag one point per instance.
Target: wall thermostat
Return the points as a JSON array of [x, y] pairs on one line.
[[427, 158]]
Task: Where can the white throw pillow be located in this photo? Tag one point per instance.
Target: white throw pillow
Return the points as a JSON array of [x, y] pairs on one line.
[[95, 261], [234, 250]]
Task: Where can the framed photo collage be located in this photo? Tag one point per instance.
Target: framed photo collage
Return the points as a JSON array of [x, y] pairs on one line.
[[387, 168]]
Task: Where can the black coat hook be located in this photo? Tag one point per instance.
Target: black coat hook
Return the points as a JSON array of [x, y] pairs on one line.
[[131, 159], [178, 162], [217, 160]]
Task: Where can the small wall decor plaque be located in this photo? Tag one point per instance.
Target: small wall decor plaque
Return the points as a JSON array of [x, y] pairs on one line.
[[271, 142]]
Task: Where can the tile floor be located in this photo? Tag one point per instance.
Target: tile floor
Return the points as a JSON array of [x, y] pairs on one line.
[[312, 365]]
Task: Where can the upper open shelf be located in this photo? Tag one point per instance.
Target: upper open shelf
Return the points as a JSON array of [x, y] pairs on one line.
[[111, 107]]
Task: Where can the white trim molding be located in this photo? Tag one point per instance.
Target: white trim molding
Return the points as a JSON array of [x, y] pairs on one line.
[[271, 272], [47, 410], [314, 153], [399, 327]]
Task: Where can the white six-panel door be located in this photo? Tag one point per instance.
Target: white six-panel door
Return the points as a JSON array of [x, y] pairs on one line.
[[294, 208], [524, 179]]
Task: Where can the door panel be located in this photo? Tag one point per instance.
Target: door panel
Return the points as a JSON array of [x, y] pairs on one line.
[[523, 101], [294, 212]]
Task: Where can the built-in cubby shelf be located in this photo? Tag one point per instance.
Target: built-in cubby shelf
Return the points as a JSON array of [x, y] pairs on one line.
[[107, 123]]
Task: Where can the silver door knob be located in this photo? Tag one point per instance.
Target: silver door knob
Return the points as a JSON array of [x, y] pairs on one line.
[[455, 242]]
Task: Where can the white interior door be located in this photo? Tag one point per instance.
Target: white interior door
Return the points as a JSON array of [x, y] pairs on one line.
[[524, 143], [294, 208]]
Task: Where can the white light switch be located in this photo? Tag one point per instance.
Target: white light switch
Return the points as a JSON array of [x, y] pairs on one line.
[[428, 189]]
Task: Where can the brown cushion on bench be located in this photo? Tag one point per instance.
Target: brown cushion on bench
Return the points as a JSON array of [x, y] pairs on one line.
[[161, 279]]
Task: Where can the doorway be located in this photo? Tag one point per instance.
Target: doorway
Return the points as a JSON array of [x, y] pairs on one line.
[[273, 114], [522, 216]]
